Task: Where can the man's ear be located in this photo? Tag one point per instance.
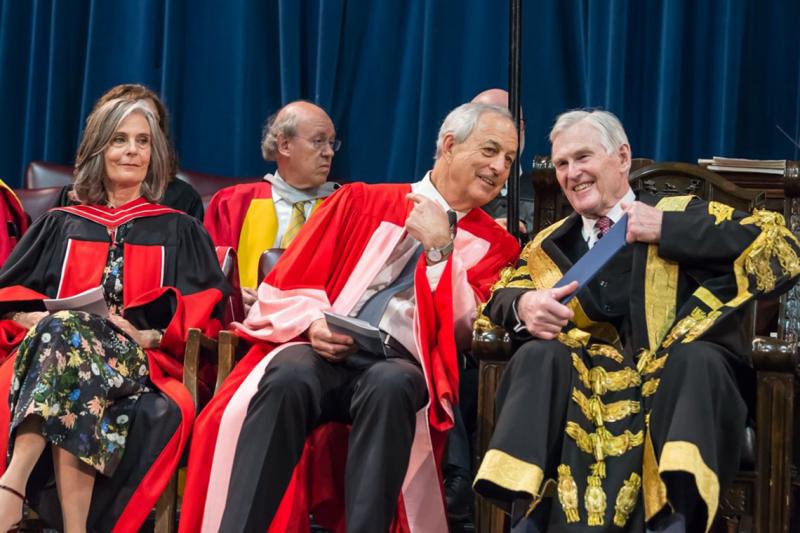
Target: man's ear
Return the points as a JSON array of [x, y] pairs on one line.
[[448, 143], [283, 144], [624, 153]]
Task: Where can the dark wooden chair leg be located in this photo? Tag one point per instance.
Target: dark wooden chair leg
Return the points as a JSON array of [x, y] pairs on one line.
[[165, 508], [488, 517], [775, 418]]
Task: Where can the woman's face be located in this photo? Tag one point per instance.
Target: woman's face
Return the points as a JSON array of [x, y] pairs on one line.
[[127, 155]]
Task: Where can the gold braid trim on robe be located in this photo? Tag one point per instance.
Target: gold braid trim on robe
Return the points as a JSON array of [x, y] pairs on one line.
[[512, 474], [720, 212], [599, 380], [682, 456], [602, 443], [661, 282], [772, 243], [574, 338], [653, 488], [598, 413]]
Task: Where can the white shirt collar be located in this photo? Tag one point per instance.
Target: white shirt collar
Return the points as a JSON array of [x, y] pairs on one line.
[[426, 188], [276, 195], [614, 214]]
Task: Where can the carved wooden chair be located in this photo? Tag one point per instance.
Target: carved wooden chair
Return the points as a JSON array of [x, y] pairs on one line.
[[760, 497]]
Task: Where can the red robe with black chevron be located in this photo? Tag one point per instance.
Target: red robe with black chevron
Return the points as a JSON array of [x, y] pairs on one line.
[[171, 281], [328, 267]]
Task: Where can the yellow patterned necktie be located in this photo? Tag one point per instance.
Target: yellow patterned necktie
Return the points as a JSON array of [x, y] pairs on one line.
[[296, 221]]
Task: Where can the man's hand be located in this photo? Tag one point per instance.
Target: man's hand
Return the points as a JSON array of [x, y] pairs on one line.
[[427, 222], [146, 338], [248, 298], [542, 312], [29, 320], [334, 347], [644, 223]]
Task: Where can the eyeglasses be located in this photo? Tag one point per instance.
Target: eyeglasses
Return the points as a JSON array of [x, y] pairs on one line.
[[319, 143]]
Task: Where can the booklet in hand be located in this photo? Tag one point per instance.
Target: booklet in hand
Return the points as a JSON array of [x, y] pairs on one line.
[[366, 336], [587, 267], [91, 301]]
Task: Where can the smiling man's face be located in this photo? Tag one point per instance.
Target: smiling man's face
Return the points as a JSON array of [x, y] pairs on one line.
[[479, 166], [592, 179]]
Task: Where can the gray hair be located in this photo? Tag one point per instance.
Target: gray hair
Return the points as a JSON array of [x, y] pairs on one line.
[[280, 123], [90, 166], [612, 134], [462, 120]]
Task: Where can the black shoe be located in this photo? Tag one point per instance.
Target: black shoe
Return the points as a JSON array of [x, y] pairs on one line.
[[458, 491]]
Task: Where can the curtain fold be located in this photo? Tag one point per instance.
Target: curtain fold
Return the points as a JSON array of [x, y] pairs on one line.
[[688, 79]]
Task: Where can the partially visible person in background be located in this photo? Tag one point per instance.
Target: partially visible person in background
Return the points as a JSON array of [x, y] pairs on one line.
[[15, 222], [179, 194]]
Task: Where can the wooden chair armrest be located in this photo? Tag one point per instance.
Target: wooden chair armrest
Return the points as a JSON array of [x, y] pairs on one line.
[[196, 343], [226, 355], [774, 355]]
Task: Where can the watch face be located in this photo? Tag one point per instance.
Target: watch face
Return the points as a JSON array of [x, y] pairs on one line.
[[434, 255]]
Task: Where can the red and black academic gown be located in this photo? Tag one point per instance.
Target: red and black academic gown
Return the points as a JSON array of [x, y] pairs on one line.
[[172, 281], [14, 221], [328, 268]]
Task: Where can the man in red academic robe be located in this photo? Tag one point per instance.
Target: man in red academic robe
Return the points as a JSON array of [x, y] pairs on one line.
[[269, 448], [254, 217]]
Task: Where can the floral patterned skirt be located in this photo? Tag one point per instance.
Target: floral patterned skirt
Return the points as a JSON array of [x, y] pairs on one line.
[[83, 376]]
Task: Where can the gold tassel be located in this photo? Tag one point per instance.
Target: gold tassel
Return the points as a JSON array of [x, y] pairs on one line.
[[626, 499], [568, 494], [595, 501]]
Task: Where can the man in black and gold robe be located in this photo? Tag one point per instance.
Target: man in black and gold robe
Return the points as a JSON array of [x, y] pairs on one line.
[[629, 399]]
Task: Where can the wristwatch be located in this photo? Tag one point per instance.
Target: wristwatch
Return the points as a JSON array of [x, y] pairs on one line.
[[437, 255]]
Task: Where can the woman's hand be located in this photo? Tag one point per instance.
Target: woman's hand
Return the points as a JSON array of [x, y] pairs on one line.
[[146, 338], [28, 320]]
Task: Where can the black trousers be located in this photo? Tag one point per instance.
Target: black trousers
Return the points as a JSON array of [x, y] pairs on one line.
[[300, 391]]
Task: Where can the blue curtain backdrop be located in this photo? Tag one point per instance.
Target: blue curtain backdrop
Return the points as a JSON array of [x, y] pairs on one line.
[[688, 79]]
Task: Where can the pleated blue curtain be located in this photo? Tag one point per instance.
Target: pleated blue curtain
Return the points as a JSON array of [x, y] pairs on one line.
[[688, 79]]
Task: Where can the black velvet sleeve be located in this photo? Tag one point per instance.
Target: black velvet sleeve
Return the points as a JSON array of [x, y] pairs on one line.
[[198, 267], [693, 237]]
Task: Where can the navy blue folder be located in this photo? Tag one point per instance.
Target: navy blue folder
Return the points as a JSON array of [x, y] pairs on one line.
[[592, 261]]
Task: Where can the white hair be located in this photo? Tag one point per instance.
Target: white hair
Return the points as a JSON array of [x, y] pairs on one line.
[[612, 134], [280, 123], [462, 120]]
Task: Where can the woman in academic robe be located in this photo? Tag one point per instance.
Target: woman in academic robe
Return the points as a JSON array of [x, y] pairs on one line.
[[72, 382]]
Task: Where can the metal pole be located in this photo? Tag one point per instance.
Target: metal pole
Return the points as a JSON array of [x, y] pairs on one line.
[[514, 61]]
